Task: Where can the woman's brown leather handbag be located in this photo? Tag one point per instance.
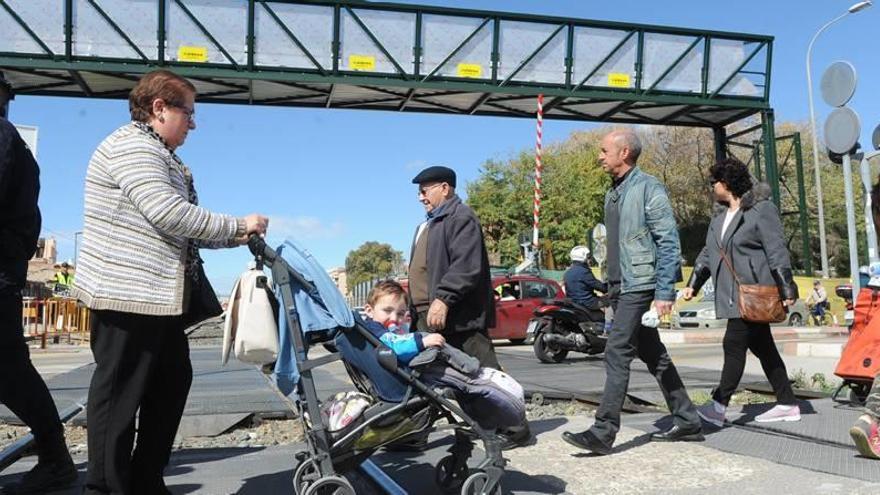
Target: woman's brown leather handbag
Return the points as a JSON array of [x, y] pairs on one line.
[[757, 303]]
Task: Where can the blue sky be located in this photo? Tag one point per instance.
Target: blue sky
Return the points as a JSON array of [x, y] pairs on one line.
[[337, 178]]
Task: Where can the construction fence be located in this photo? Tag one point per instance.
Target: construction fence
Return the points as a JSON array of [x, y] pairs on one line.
[[55, 319]]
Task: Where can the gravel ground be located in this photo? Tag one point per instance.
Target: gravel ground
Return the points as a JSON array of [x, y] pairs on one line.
[[536, 411], [257, 434], [209, 332], [9, 433]]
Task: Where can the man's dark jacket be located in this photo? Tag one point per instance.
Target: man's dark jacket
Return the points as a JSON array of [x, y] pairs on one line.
[[19, 214], [458, 268], [580, 284]]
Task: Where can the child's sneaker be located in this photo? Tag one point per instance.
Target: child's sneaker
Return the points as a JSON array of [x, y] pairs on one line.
[[866, 435], [713, 413], [780, 413]]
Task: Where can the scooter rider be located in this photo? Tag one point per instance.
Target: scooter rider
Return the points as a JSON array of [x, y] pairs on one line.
[[580, 283]]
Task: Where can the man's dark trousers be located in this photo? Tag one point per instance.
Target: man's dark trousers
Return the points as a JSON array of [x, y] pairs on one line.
[[143, 367], [628, 339], [474, 343], [22, 389]]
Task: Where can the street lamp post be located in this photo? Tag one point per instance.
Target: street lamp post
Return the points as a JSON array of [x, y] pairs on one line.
[[823, 249]]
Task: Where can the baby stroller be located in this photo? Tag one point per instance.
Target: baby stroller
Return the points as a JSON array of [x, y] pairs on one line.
[[329, 455]]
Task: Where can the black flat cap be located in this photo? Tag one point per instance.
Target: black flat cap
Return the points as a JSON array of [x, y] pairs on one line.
[[436, 174]]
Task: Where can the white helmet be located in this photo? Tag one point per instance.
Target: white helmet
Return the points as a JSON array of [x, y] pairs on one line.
[[579, 253]]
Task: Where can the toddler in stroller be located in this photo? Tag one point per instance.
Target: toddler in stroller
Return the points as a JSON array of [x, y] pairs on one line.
[[491, 397], [397, 402]]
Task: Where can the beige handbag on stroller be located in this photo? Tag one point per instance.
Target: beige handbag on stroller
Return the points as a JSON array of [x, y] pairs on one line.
[[251, 326]]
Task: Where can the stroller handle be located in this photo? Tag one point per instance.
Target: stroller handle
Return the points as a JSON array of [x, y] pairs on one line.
[[269, 256], [260, 249]]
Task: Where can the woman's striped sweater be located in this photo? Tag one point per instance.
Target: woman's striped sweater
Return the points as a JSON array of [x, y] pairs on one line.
[[137, 225]]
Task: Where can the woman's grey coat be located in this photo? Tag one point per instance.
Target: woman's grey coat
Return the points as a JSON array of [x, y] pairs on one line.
[[755, 246]]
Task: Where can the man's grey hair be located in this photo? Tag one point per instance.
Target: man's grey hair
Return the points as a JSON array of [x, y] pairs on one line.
[[627, 138]]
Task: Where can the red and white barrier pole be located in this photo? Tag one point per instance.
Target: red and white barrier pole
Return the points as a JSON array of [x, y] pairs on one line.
[[538, 168]]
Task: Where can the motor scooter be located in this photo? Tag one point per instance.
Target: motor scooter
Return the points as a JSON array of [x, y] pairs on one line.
[[561, 326]]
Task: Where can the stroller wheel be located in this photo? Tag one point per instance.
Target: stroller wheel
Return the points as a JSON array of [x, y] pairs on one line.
[[306, 473], [450, 473], [331, 485], [476, 485]]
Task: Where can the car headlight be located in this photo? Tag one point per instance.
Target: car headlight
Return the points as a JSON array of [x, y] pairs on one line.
[[706, 313]]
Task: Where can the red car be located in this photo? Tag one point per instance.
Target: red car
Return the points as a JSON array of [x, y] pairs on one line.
[[516, 298]]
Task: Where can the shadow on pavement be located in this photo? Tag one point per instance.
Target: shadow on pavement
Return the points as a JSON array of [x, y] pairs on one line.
[[547, 424], [182, 458], [75, 489], [631, 444], [542, 483], [183, 489], [279, 482]]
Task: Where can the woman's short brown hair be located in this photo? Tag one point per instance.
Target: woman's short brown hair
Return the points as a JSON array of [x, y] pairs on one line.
[[162, 84]]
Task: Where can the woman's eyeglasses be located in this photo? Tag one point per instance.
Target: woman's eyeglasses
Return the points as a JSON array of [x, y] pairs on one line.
[[189, 112]]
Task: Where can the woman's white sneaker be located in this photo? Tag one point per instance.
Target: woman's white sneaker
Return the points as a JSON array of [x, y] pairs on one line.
[[780, 413]]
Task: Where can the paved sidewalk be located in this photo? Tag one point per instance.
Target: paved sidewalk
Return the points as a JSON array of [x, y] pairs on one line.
[[550, 466], [716, 335], [638, 466], [60, 358]]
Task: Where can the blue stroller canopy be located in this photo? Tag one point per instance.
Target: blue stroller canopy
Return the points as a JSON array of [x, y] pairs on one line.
[[322, 309]]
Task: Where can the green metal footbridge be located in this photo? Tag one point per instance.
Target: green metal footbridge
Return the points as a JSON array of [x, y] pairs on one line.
[[394, 57]]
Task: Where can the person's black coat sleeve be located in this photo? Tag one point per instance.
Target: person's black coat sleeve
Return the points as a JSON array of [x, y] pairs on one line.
[[464, 245], [593, 283]]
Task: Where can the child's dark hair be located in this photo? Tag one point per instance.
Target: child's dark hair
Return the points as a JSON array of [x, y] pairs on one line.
[[386, 288]]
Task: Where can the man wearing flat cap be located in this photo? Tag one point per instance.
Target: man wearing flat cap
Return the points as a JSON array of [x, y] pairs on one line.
[[22, 389], [449, 282]]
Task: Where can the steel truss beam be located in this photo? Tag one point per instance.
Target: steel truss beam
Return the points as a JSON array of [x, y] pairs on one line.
[[409, 80]]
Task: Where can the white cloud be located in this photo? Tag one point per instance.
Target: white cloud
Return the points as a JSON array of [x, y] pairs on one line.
[[303, 227], [414, 165]]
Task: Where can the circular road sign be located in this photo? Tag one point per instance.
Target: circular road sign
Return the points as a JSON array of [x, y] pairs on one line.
[[842, 130], [875, 138], [838, 83]]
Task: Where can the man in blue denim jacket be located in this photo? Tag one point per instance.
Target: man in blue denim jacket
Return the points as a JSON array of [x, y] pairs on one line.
[[644, 262]]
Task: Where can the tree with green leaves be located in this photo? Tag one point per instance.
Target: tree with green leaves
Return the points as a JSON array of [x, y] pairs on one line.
[[573, 190], [372, 260]]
